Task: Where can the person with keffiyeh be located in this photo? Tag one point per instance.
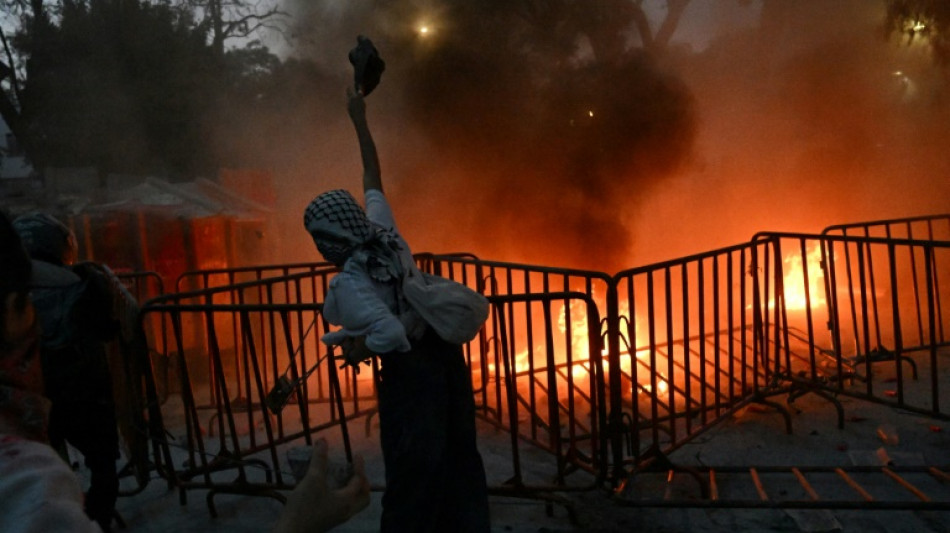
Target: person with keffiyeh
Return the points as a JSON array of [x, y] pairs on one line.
[[435, 478]]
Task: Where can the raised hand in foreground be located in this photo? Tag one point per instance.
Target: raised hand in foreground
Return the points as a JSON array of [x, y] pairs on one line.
[[314, 506]]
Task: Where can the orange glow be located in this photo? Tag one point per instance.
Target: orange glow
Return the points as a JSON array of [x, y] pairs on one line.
[[580, 367], [640, 360], [662, 386], [794, 278]]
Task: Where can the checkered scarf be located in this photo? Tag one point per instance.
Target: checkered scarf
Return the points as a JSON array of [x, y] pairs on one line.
[[341, 231], [337, 224]]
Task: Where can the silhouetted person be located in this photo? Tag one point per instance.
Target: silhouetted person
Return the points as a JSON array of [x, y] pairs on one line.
[[38, 490], [435, 479], [75, 304]]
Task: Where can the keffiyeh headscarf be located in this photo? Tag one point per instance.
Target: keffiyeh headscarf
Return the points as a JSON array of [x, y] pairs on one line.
[[337, 224], [341, 231]]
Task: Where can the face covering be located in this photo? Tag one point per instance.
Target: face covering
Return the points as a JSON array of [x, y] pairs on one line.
[[337, 224]]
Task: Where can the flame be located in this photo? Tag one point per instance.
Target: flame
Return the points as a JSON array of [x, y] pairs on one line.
[[521, 362], [662, 385], [579, 336], [640, 360], [572, 322], [794, 280]]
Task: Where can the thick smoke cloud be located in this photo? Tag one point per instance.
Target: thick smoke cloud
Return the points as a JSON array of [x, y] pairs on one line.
[[498, 139], [809, 117]]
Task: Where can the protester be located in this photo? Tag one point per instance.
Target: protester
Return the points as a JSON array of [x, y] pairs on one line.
[[435, 479], [38, 491], [75, 307]]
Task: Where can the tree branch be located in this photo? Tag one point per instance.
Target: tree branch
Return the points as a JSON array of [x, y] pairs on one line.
[[674, 12], [643, 25], [9, 68]]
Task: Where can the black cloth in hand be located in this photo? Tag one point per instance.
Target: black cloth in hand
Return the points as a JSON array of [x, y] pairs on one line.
[[368, 67]]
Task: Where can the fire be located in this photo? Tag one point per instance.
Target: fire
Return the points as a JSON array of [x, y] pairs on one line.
[[641, 356], [571, 322], [662, 386], [580, 342], [521, 362], [794, 280]]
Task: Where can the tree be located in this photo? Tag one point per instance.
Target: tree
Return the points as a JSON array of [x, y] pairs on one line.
[[231, 19], [112, 84], [127, 86], [34, 17], [566, 103]]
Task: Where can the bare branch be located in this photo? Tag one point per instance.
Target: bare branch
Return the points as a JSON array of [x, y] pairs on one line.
[[9, 68], [249, 23], [642, 24], [237, 18], [674, 12]]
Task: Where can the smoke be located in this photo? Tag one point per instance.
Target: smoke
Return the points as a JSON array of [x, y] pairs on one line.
[[500, 138], [809, 117]]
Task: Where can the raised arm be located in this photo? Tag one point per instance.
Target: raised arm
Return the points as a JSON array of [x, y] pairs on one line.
[[356, 106]]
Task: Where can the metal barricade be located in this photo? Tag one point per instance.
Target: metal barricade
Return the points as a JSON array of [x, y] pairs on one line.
[[928, 227], [910, 262], [217, 277], [604, 374], [547, 387], [529, 361], [269, 383], [495, 278], [688, 345], [306, 287], [545, 334], [134, 386], [859, 315], [856, 306], [143, 286]]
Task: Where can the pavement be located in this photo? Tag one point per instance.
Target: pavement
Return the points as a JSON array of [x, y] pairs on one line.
[[872, 435]]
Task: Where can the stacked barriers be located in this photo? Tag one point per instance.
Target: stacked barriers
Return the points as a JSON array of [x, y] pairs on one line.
[[235, 345], [604, 375]]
